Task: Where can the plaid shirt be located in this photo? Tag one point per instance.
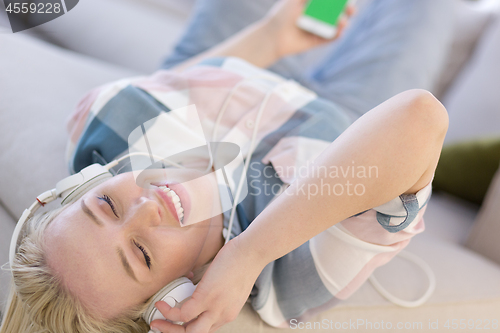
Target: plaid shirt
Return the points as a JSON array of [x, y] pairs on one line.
[[296, 127]]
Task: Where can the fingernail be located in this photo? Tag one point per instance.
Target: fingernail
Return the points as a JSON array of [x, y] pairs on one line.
[[155, 330], [156, 306]]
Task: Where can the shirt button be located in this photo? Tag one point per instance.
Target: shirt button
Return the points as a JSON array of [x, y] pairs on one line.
[[250, 124]]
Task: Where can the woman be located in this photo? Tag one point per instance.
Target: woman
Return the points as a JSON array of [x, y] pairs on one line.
[[93, 265]]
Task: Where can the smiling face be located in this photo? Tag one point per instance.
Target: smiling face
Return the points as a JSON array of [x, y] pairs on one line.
[[120, 243]]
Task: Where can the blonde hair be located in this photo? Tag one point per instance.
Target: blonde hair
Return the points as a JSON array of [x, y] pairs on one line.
[[38, 301]]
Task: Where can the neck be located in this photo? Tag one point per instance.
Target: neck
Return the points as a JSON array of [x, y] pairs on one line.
[[214, 241]]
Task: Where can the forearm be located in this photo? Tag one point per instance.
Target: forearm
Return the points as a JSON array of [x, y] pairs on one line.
[[253, 44], [401, 139]]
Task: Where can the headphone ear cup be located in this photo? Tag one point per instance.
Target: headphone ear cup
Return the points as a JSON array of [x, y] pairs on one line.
[[174, 294], [80, 190]]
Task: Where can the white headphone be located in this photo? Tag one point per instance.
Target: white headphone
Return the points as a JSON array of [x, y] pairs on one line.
[[71, 189]]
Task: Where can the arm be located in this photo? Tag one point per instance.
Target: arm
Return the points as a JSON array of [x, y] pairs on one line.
[[269, 39], [402, 137]]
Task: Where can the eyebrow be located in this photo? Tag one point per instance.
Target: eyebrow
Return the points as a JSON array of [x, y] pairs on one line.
[[94, 218], [125, 264], [123, 259]]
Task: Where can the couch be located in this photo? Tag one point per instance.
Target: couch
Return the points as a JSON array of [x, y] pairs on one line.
[[44, 71]]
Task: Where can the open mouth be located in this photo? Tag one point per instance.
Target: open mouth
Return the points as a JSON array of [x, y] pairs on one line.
[[175, 200]]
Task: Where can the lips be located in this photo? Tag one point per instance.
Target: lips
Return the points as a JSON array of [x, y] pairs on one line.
[[169, 203], [175, 198]]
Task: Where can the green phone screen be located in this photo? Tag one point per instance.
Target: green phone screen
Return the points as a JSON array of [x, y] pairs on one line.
[[326, 10]]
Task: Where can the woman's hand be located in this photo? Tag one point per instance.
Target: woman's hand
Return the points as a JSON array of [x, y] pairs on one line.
[[271, 38], [218, 297], [289, 38]]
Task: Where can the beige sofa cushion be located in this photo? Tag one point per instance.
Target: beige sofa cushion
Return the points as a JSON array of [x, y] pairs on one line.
[[467, 288], [485, 234], [135, 34], [40, 86], [449, 218], [472, 19], [7, 225], [473, 101]]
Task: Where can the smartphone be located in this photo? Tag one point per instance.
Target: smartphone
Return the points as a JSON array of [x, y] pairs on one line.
[[320, 17]]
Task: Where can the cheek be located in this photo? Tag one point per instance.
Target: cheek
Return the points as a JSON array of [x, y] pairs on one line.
[[205, 200], [180, 248], [174, 249]]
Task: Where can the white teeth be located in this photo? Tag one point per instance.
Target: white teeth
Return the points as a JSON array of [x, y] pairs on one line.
[[176, 200]]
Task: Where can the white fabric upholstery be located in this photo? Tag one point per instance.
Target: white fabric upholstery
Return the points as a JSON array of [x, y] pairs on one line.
[[449, 218], [473, 101], [486, 231], [472, 19], [40, 87], [130, 33], [7, 225], [467, 287]]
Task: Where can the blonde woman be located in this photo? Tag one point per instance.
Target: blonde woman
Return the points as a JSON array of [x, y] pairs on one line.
[[93, 265]]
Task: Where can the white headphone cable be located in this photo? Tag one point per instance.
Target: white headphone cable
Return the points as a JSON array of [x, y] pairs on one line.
[[408, 304], [223, 109], [247, 164], [114, 163], [252, 141]]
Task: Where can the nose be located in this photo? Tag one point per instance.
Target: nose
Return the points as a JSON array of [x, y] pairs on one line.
[[144, 213]]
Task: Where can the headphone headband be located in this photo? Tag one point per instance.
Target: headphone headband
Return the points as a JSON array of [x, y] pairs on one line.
[[69, 189]]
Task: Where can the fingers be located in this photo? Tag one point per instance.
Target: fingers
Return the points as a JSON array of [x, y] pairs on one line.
[[342, 23], [202, 324], [164, 326], [345, 19], [188, 311], [172, 314], [351, 10]]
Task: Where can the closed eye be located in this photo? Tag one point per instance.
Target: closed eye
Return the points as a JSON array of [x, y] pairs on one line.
[[108, 200], [145, 253]]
